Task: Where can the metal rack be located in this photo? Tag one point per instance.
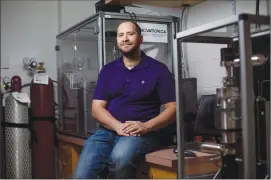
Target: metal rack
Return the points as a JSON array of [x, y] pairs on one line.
[[204, 34]]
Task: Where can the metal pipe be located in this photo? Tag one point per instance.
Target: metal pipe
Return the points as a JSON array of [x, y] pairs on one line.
[[211, 148], [100, 43], [175, 27], [256, 60], [179, 113], [103, 39], [269, 127], [267, 135], [247, 103], [1, 120]]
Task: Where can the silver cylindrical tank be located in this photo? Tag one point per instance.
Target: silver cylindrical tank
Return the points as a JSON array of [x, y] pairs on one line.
[[17, 140], [212, 148]]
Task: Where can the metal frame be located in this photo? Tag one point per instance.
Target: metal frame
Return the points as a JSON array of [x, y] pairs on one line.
[[2, 158], [269, 115], [101, 18], [243, 21]]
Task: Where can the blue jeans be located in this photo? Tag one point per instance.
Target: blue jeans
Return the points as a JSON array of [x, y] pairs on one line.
[[107, 155]]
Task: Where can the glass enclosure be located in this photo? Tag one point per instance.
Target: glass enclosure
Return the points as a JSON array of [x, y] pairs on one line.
[[86, 47], [78, 72]]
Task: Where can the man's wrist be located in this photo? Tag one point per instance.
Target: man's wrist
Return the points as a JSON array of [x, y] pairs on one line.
[[116, 125], [148, 125]]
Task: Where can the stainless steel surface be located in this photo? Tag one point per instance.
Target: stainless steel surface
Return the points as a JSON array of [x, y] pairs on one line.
[[229, 104], [256, 60], [228, 100], [211, 148], [17, 141], [228, 137], [229, 120], [179, 113], [247, 101]]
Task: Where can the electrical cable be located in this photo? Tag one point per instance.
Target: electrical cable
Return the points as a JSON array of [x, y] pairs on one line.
[[150, 12], [134, 16], [257, 13], [129, 14]]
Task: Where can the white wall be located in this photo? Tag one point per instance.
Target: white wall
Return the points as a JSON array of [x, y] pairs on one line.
[[72, 12], [28, 29]]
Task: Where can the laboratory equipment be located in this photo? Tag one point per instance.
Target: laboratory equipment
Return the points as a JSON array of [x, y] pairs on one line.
[[236, 97]]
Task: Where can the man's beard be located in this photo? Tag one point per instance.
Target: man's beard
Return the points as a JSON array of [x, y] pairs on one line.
[[132, 52]]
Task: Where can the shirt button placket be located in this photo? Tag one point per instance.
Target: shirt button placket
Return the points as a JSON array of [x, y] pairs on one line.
[[128, 82]]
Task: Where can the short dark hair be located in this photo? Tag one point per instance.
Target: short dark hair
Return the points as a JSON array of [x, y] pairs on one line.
[[138, 29]]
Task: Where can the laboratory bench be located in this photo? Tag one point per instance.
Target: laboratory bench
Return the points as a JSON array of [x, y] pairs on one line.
[[158, 164]]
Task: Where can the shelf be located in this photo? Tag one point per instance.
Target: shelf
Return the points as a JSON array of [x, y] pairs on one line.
[[159, 3]]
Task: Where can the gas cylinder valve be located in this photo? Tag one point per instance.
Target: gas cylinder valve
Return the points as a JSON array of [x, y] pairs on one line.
[[6, 83], [33, 66]]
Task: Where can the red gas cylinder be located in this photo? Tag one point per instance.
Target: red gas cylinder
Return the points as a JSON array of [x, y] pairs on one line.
[[16, 84], [43, 123]]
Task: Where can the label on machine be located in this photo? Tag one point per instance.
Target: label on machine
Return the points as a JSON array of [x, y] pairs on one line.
[[41, 78], [152, 32]]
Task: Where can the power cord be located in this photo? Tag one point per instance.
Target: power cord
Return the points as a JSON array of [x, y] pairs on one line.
[[132, 15], [257, 13]]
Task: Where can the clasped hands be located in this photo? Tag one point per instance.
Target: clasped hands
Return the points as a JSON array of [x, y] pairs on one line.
[[132, 128]]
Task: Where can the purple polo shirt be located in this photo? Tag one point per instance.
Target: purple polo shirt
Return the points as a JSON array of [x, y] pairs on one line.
[[138, 93]]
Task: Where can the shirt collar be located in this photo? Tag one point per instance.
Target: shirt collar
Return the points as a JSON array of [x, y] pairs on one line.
[[142, 64]]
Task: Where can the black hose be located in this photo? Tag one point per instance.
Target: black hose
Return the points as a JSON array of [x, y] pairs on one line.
[[134, 15], [257, 6], [26, 85], [129, 14]]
